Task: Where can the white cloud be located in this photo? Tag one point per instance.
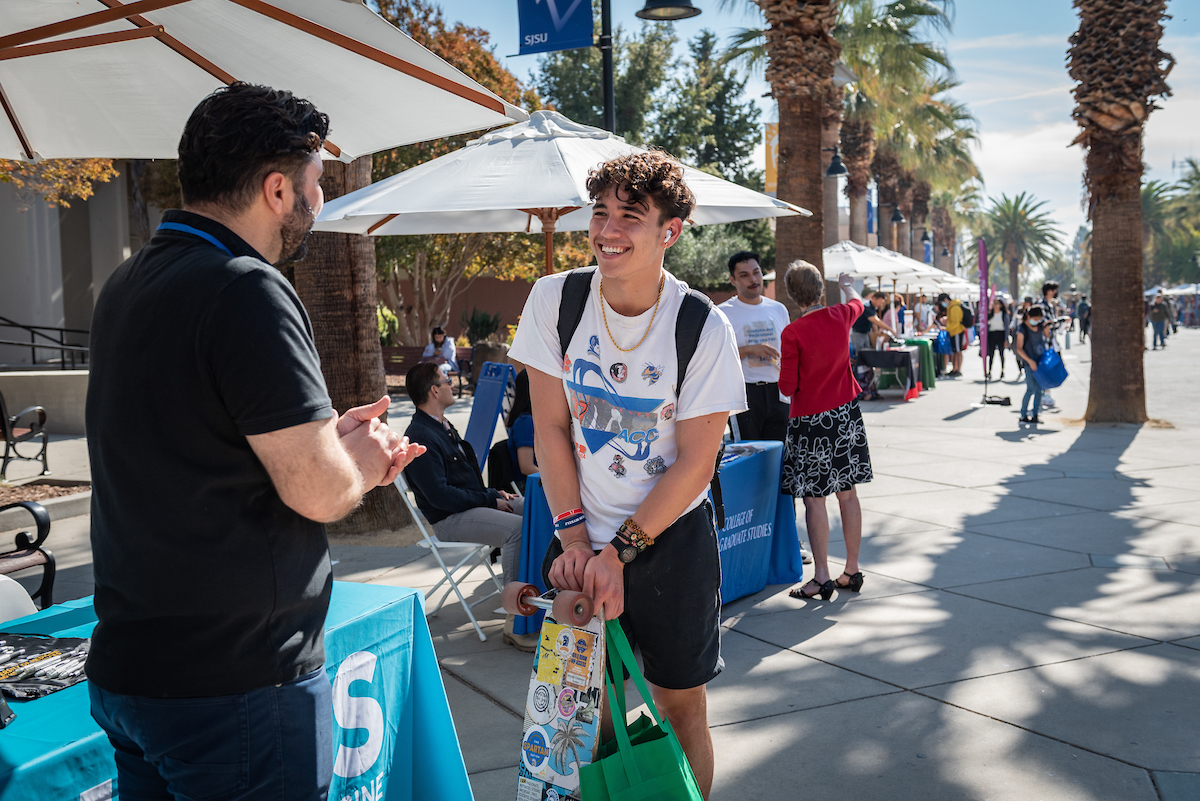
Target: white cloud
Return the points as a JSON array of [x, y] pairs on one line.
[[1038, 161], [1009, 41]]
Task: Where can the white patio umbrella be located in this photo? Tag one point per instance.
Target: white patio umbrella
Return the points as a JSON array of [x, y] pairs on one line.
[[860, 261], [527, 177], [98, 79], [1183, 289]]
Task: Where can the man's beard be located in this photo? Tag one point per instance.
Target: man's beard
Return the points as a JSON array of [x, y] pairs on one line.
[[295, 230]]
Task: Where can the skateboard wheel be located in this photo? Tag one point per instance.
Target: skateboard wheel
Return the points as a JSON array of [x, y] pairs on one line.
[[514, 598], [572, 608]]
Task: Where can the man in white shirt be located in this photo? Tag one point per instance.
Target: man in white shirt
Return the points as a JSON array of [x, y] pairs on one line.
[[646, 549], [758, 324]]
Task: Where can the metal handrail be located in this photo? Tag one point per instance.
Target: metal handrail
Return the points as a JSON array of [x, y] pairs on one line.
[[50, 343]]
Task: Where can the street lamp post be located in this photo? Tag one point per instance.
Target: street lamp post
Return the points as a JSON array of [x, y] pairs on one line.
[[655, 10]]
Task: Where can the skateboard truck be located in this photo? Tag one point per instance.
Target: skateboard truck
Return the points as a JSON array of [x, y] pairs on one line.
[[566, 606]]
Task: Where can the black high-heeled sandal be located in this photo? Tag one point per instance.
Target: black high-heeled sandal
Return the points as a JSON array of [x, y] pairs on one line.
[[824, 590], [853, 585]]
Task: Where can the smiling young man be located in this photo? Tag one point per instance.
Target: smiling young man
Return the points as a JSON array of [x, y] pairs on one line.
[[620, 439]]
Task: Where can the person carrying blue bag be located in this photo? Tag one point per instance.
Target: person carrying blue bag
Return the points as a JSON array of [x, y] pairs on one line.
[[1031, 346]]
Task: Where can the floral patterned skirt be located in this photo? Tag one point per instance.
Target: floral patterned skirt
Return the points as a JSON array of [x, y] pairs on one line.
[[826, 453]]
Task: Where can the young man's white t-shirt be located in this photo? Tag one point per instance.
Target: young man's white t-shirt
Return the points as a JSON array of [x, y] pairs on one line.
[[623, 405], [757, 324]]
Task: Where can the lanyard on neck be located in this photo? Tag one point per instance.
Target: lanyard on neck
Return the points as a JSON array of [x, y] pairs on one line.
[[188, 229]]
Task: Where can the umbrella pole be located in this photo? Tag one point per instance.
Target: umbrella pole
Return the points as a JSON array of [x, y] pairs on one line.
[[549, 219], [549, 249]]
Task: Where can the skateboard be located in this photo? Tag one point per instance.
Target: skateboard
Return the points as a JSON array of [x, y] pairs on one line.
[[562, 711]]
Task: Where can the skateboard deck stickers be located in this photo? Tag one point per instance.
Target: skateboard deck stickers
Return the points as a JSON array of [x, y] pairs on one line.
[[562, 711]]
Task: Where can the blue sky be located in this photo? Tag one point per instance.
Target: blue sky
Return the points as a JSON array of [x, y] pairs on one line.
[[1011, 59]]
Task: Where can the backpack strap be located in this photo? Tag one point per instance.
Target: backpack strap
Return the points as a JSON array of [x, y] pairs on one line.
[[576, 289], [689, 324]]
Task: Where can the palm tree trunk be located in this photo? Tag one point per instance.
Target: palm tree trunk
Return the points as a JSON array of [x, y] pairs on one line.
[[800, 182], [1014, 277], [337, 284], [1118, 384]]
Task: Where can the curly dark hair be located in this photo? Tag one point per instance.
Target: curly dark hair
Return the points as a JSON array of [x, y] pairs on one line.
[[239, 135], [653, 177]]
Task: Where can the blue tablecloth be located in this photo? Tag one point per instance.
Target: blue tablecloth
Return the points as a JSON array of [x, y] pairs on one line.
[[379, 656], [759, 545]]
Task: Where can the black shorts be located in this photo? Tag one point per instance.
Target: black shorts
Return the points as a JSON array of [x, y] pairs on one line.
[[673, 602], [767, 415]]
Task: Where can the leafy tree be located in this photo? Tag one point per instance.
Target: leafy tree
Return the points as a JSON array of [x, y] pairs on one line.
[[704, 121], [441, 267], [56, 181], [570, 80]]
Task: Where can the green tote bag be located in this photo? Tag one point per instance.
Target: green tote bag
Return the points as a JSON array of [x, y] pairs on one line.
[[644, 760]]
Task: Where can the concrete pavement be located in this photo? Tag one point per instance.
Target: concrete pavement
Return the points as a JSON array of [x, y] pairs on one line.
[[1029, 627]]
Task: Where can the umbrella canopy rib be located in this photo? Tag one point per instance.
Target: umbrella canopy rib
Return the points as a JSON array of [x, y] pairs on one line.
[[388, 60], [16, 124], [62, 45], [116, 11], [182, 49]]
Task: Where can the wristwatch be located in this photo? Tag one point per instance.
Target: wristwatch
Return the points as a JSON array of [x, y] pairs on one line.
[[626, 550]]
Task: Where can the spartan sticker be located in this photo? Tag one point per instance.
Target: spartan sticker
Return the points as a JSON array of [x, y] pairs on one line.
[[619, 372]]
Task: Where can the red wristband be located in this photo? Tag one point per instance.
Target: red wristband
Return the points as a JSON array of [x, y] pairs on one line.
[[565, 515]]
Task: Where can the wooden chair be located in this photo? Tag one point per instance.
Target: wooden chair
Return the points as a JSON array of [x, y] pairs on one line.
[[24, 426], [29, 553]]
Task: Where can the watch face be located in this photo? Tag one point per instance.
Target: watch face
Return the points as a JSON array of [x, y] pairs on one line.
[[627, 553]]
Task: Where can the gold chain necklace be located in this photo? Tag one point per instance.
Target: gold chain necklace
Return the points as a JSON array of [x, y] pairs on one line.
[[661, 283]]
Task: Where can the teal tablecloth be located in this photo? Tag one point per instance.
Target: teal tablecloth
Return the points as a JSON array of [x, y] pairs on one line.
[[379, 656], [928, 371]]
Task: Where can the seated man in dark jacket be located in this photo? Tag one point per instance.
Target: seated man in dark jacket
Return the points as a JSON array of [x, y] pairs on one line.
[[449, 487]]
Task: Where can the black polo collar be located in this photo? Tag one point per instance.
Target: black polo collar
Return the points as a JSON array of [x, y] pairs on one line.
[[206, 225]]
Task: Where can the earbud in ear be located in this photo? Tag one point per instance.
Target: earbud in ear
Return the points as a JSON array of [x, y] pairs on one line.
[[668, 239]]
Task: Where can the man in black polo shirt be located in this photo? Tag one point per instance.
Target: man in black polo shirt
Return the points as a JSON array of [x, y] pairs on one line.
[[216, 458], [860, 331]]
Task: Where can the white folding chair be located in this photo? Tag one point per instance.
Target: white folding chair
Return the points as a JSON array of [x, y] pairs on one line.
[[474, 554]]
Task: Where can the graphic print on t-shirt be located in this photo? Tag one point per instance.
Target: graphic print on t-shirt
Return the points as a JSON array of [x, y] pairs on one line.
[[760, 332], [607, 417]]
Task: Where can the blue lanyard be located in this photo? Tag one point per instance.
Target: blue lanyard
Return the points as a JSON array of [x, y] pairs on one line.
[[187, 229]]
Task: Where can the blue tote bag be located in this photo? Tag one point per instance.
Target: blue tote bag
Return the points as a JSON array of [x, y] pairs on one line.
[[942, 344], [1051, 371]]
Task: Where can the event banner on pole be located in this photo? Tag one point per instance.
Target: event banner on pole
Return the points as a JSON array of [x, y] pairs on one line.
[[548, 25], [985, 303]]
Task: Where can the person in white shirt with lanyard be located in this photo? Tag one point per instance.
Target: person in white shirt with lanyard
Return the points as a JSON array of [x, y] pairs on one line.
[[626, 448], [758, 324]]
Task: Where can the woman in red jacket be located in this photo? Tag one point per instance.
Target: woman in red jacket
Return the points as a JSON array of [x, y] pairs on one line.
[[825, 452]]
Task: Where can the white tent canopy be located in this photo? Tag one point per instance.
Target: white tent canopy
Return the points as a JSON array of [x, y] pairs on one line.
[[1184, 289], [98, 79], [527, 177]]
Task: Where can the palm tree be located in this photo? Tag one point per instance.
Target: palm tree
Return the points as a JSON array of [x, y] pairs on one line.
[[951, 210], [1156, 202], [1017, 232], [566, 741], [1118, 66], [337, 284]]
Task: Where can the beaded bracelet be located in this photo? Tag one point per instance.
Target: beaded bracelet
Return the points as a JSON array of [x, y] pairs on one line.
[[634, 533], [563, 523]]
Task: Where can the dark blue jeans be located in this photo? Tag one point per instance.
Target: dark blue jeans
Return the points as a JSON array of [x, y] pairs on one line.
[[1033, 390], [1160, 333], [274, 743]]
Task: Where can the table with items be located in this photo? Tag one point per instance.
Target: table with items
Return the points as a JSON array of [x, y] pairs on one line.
[[758, 545], [391, 717], [905, 360]]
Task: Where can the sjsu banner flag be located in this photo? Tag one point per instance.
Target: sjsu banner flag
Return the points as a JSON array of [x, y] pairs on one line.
[[548, 25]]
